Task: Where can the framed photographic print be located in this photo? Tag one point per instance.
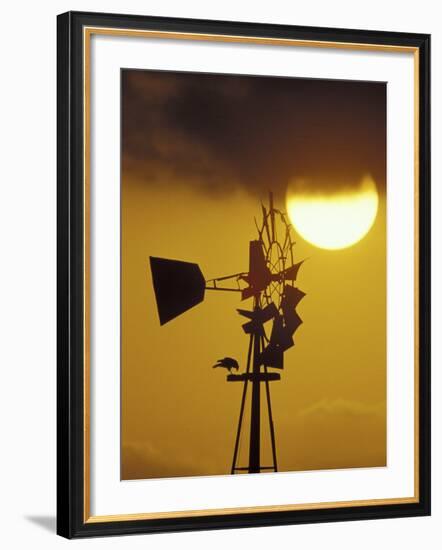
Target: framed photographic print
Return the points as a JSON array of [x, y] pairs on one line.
[[243, 274]]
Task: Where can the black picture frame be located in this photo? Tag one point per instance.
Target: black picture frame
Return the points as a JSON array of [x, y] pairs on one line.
[[71, 518]]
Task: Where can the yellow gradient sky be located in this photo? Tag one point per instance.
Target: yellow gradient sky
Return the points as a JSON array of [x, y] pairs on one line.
[[179, 415]]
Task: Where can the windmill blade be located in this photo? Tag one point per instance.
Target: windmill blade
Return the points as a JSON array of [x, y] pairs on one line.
[[289, 274], [246, 313], [291, 297], [280, 341], [258, 318], [263, 315], [292, 321], [272, 357], [178, 286], [281, 337], [269, 312]]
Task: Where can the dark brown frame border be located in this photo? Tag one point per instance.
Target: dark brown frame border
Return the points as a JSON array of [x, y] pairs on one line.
[[74, 30]]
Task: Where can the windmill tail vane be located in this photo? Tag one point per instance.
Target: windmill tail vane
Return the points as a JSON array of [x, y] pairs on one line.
[[270, 284]]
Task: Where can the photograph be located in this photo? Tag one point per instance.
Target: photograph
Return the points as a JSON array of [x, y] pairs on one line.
[[253, 274]]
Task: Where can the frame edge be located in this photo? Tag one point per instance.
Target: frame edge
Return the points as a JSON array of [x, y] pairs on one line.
[[63, 297], [70, 506]]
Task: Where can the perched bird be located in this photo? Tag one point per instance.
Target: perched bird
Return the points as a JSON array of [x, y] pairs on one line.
[[227, 363]]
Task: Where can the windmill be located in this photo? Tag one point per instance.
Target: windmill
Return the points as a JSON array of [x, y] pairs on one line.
[[271, 322]]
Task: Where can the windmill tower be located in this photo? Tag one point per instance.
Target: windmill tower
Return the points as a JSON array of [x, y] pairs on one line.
[[270, 285]]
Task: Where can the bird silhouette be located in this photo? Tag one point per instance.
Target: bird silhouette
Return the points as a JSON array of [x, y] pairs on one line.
[[227, 363]]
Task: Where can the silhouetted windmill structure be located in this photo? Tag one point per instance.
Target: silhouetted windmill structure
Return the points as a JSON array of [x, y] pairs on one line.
[[270, 283]]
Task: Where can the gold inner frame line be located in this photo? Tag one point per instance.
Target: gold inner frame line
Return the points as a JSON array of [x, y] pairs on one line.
[[87, 34]]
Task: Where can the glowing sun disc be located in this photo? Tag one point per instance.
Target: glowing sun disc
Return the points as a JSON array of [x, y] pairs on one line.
[[333, 221]]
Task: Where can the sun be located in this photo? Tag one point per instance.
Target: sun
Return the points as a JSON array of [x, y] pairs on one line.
[[333, 221]]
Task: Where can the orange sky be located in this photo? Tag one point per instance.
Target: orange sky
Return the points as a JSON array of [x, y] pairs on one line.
[[179, 416]]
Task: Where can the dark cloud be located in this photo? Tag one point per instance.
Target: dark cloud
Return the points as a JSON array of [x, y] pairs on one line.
[[219, 132]]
